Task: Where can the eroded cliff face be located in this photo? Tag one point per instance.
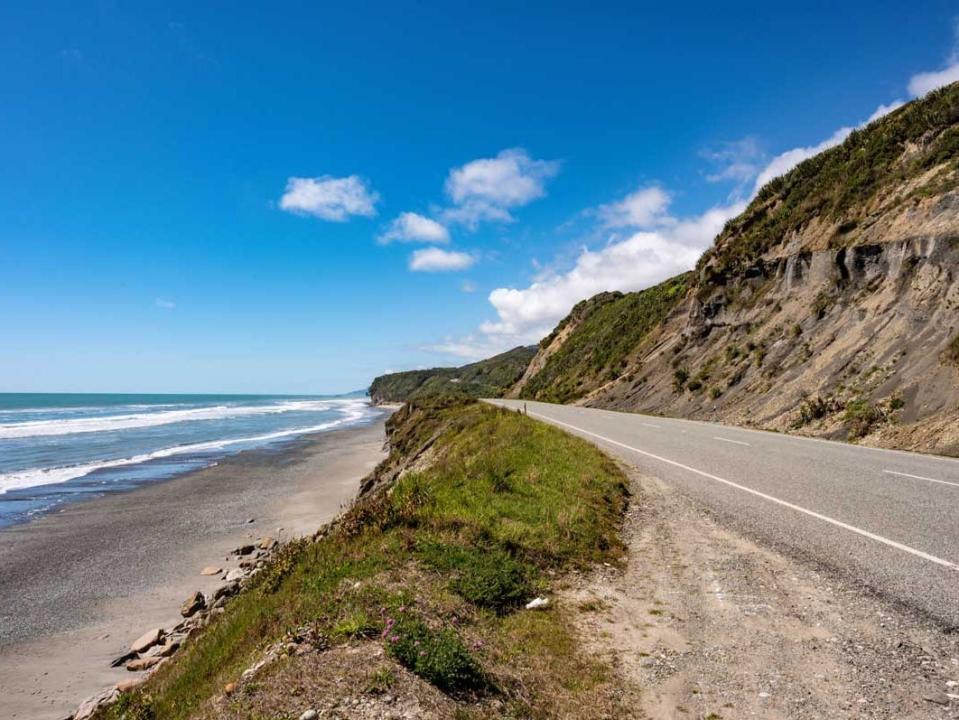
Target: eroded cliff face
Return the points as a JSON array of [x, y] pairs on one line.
[[830, 307], [848, 342]]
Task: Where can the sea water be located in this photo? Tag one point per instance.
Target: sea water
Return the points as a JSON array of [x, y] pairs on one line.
[[56, 448]]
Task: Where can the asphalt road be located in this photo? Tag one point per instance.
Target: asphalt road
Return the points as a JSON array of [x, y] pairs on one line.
[[884, 519]]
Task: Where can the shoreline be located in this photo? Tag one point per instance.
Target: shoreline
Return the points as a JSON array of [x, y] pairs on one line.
[[80, 585]]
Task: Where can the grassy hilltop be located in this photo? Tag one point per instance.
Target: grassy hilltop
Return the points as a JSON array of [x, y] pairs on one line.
[[486, 378]]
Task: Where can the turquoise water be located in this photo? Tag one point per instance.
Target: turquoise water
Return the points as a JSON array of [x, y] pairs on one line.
[[56, 448]]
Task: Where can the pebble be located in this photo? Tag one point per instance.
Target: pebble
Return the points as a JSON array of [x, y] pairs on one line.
[[309, 715], [537, 603], [211, 570], [939, 698]]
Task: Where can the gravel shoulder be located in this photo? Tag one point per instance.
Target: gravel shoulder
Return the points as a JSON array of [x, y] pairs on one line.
[[78, 586], [709, 624]]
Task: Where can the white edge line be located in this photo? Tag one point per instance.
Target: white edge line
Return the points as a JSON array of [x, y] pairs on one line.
[[764, 496], [767, 433], [920, 477], [651, 425], [738, 442]]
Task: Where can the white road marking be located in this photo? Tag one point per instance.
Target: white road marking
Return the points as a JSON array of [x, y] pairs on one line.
[[738, 442], [651, 425], [764, 496], [920, 477]]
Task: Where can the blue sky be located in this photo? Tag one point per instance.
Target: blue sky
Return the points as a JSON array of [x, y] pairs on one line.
[[256, 198]]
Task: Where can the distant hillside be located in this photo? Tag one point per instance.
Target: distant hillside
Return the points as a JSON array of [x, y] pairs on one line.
[[829, 307], [486, 378]]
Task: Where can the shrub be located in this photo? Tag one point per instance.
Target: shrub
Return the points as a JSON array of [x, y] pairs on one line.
[[695, 385], [680, 376], [821, 304], [495, 581], [896, 402], [813, 409], [437, 656], [487, 577], [715, 391], [861, 415]]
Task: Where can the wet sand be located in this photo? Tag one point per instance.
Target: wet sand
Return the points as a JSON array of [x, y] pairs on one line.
[[77, 587]]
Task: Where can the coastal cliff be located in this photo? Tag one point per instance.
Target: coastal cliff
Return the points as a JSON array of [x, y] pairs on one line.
[[830, 307]]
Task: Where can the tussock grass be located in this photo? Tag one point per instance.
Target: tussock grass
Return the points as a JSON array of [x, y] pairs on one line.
[[434, 568]]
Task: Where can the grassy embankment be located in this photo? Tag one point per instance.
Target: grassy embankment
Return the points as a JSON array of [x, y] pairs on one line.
[[435, 567]]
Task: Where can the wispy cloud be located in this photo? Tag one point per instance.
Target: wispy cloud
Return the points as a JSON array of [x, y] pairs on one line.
[[329, 198], [488, 188], [165, 304], [412, 227], [435, 259], [468, 286], [644, 208]]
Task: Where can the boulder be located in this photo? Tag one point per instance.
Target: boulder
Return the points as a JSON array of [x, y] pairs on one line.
[[229, 688], [193, 604], [130, 684], [309, 715], [267, 543], [93, 703], [168, 648], [211, 570], [235, 574], [123, 659], [147, 640], [226, 590], [537, 603], [144, 663]]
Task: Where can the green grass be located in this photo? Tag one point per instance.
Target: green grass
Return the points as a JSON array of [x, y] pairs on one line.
[[608, 330], [450, 536]]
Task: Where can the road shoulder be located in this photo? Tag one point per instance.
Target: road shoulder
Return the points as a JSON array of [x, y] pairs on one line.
[[712, 625]]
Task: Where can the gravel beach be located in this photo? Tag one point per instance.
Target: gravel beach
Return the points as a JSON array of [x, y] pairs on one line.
[[78, 586]]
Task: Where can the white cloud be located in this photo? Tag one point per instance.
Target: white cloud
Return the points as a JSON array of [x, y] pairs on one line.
[[737, 161], [165, 304], [926, 82], [329, 198], [643, 209], [468, 286], [435, 259], [524, 315], [411, 227], [487, 188]]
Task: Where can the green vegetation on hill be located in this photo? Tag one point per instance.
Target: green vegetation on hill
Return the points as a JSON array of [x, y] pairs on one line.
[[608, 330], [840, 183], [434, 568], [486, 378]]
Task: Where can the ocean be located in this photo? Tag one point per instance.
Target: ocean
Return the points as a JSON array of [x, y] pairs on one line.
[[58, 448]]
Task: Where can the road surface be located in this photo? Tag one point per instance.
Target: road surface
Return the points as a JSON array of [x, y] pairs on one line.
[[885, 519]]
